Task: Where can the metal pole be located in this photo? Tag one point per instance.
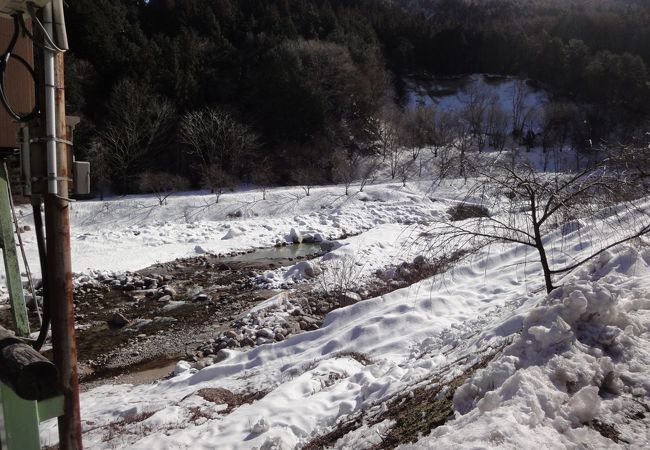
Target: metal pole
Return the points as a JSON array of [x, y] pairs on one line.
[[60, 290], [50, 104]]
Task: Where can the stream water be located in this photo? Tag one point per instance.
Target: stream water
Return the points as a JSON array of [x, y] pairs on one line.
[[287, 252]]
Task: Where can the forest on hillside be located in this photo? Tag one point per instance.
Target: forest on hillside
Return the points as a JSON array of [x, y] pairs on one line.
[[212, 93]]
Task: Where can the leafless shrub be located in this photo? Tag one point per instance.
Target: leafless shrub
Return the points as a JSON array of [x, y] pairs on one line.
[[340, 276]]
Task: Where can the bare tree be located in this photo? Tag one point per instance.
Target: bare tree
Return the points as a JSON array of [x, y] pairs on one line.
[[162, 184], [474, 113], [418, 130], [308, 176], [518, 102], [537, 203], [385, 130], [263, 176], [445, 163], [217, 180], [556, 123], [497, 127], [405, 171], [368, 167], [216, 139], [137, 119], [101, 170], [442, 131], [462, 143], [345, 166]]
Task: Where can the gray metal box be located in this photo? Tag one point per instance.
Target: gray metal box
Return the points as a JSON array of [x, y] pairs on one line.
[[81, 176]]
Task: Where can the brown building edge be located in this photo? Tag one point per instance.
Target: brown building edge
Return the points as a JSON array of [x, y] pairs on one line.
[[19, 84]]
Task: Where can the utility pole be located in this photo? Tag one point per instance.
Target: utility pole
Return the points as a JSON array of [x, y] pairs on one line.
[[47, 168], [59, 265]]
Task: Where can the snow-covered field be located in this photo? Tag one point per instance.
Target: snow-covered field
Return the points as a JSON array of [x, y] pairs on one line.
[[572, 363]]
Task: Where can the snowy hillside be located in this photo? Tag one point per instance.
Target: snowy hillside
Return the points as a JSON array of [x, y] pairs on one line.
[[481, 343]]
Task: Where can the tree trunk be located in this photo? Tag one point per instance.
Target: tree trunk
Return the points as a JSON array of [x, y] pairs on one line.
[[544, 260]]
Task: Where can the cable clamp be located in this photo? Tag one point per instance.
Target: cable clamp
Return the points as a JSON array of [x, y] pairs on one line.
[[53, 178], [52, 138], [66, 199]]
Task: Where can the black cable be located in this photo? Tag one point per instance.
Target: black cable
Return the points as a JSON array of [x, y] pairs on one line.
[[4, 61], [42, 255]]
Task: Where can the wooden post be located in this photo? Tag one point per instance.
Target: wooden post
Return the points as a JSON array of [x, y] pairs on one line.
[[12, 269], [60, 290]]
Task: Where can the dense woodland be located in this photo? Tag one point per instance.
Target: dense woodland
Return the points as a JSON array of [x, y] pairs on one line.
[[218, 92]]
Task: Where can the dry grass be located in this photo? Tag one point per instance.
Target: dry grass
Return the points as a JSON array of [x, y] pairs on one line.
[[222, 396], [463, 211], [361, 358], [197, 414], [415, 412], [119, 426]]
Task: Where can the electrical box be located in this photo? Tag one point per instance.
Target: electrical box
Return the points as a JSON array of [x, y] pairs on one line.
[[81, 177], [9, 7]]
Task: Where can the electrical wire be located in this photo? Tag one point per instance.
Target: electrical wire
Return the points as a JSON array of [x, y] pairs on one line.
[[4, 61], [42, 255], [51, 46]]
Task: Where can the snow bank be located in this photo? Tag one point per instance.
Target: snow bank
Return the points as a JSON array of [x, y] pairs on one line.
[[581, 355]]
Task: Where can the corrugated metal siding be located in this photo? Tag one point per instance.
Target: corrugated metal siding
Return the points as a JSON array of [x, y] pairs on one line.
[[20, 86]]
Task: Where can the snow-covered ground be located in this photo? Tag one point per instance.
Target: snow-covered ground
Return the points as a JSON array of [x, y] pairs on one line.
[[572, 362], [575, 356]]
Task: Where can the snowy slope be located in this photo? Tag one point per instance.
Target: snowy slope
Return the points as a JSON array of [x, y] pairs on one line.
[[577, 355]]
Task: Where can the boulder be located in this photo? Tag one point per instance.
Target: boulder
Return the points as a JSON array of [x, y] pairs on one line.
[[349, 298], [328, 246], [167, 290], [201, 298], [181, 367], [295, 236], [118, 320], [265, 333], [311, 237], [303, 269]]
